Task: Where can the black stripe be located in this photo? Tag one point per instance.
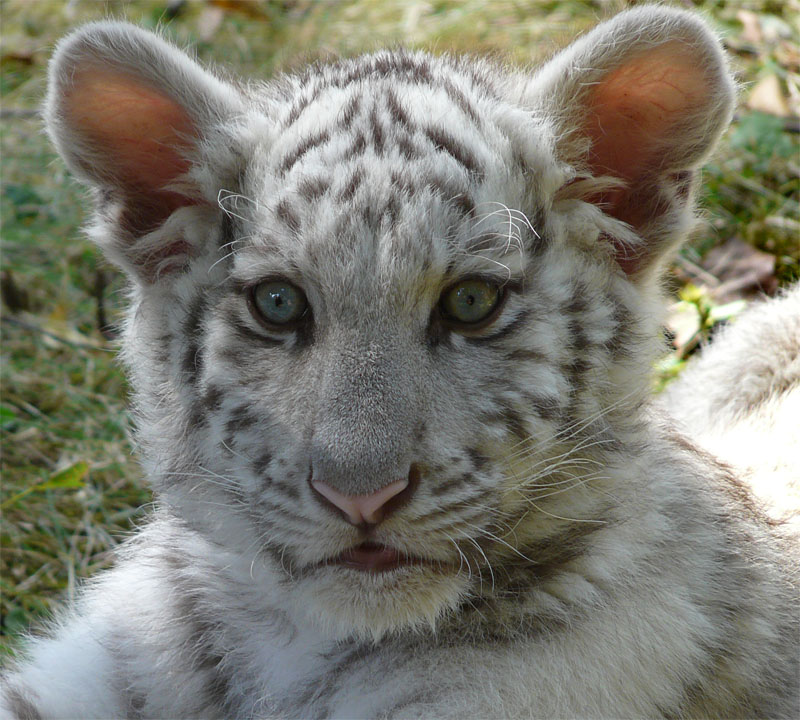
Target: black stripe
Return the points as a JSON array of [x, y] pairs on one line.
[[461, 100], [299, 106], [548, 408], [528, 355], [479, 460], [305, 146], [625, 336], [288, 216], [350, 111], [452, 194], [515, 424], [452, 509], [240, 418], [403, 184], [269, 507], [451, 484], [313, 188], [397, 111], [287, 489], [212, 398], [377, 130], [517, 324], [445, 142], [358, 146], [247, 334], [352, 185], [264, 460], [405, 145], [192, 362], [400, 64], [199, 646]]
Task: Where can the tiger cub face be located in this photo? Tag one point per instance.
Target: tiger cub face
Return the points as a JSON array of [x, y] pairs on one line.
[[392, 317]]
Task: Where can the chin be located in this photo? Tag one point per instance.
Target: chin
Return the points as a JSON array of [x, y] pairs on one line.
[[346, 602]]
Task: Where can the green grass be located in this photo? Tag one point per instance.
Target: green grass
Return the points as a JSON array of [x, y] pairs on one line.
[[71, 486]]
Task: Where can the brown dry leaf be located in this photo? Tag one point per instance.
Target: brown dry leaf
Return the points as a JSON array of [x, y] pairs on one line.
[[767, 97], [742, 271], [18, 48], [209, 22], [245, 7], [751, 31]]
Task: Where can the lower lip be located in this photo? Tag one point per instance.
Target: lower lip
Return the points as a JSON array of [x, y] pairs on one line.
[[372, 558]]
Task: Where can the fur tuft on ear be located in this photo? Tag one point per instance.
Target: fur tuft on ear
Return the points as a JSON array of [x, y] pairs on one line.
[[643, 99], [129, 113]]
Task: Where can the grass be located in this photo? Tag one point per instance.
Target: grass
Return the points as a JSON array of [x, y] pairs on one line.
[[71, 486]]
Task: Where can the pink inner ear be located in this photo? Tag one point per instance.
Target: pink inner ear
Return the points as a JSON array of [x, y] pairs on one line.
[[635, 116], [136, 136]]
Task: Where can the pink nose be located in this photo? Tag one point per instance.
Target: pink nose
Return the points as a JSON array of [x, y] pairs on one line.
[[361, 509]]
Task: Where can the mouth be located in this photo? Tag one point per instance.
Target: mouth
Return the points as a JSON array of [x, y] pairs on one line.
[[373, 558]]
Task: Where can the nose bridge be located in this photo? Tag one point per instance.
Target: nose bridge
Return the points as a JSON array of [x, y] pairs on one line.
[[365, 419]]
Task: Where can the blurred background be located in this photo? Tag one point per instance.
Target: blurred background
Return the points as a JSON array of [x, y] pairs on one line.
[[71, 486]]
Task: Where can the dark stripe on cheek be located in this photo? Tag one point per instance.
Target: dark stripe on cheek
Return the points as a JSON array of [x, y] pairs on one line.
[[479, 460], [249, 335], [240, 418], [545, 407], [519, 323], [528, 355], [192, 361], [212, 398], [450, 485], [515, 424]]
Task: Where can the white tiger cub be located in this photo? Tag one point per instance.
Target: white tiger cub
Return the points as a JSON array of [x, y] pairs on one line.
[[391, 333]]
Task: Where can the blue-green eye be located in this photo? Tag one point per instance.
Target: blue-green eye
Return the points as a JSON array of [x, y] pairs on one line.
[[278, 302], [470, 301]]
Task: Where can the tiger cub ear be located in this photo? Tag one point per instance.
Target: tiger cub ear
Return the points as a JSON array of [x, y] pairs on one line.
[[642, 98], [131, 115]]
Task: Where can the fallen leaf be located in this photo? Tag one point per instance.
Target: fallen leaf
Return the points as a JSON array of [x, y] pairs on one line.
[[742, 271], [751, 31], [245, 7], [209, 21], [767, 96]]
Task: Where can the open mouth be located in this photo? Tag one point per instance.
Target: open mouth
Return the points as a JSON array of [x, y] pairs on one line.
[[370, 557]]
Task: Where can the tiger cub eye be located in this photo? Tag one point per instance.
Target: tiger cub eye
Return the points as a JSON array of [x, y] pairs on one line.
[[279, 302], [470, 301]]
